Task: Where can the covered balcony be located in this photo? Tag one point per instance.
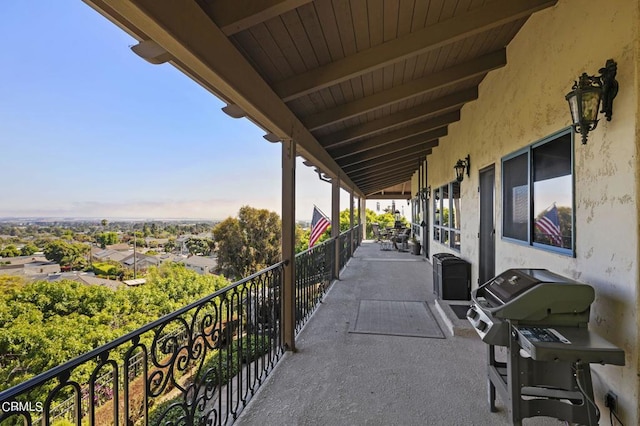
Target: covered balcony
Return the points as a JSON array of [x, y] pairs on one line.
[[458, 107]]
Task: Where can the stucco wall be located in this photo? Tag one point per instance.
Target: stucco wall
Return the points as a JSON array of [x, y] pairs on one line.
[[523, 103]]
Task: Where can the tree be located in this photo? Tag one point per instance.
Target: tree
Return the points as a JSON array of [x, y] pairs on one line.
[[249, 243], [67, 254], [170, 245], [107, 238], [10, 251], [199, 246], [28, 249]]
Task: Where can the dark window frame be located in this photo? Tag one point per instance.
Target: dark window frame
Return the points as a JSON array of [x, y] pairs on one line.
[[446, 234], [528, 150]]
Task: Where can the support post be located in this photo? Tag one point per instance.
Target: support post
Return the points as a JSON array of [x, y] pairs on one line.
[[288, 243], [335, 223], [362, 219], [352, 241]]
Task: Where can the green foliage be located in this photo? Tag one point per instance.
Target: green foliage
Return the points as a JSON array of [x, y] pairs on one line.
[[302, 238], [109, 269], [199, 246], [67, 254], [254, 347], [248, 243], [107, 238], [170, 245], [73, 318], [9, 283], [385, 220], [220, 366], [28, 249], [10, 251]]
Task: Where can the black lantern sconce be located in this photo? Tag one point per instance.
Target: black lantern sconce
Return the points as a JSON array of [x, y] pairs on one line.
[[424, 193], [460, 167], [586, 95]]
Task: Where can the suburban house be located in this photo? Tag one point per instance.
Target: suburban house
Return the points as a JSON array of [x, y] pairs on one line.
[[35, 267], [109, 254], [200, 264], [84, 278], [139, 261]]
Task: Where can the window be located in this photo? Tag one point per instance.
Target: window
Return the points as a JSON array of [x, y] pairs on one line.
[[538, 194], [446, 215]]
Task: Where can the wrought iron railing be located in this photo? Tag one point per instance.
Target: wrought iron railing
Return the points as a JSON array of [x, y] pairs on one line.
[[314, 271], [344, 244], [198, 365]]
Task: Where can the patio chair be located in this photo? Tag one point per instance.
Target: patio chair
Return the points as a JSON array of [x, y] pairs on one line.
[[403, 239], [376, 231], [382, 237]]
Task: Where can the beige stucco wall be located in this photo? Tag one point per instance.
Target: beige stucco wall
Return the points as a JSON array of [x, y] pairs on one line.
[[524, 102]]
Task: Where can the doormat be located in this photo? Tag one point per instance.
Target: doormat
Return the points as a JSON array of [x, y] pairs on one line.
[[396, 318], [460, 310]]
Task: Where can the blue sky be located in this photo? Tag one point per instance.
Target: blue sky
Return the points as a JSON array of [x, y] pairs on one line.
[[88, 129]]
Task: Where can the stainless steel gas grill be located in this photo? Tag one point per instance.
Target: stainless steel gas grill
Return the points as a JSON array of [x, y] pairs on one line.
[[541, 318]]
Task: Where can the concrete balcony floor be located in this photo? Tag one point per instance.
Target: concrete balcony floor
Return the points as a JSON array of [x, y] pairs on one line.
[[342, 378]]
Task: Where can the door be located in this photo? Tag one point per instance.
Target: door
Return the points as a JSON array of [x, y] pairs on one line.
[[487, 234]]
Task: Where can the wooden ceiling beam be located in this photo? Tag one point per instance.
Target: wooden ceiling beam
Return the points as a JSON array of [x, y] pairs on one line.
[[384, 167], [389, 196], [492, 15], [455, 74], [394, 172], [424, 128], [385, 150], [377, 185], [428, 109], [235, 16], [409, 153]]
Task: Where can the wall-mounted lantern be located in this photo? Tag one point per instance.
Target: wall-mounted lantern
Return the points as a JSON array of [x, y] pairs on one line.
[[424, 193], [460, 167], [586, 95]]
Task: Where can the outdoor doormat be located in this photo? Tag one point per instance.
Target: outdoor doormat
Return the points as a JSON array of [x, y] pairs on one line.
[[460, 310], [396, 318]]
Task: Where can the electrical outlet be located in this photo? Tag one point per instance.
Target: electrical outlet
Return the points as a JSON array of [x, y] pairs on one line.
[[611, 401]]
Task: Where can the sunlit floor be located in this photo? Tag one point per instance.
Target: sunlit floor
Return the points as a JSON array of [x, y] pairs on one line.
[[342, 378]]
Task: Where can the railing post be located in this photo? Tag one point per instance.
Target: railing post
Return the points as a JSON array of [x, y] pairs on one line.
[[288, 243], [335, 223], [362, 218], [352, 242]]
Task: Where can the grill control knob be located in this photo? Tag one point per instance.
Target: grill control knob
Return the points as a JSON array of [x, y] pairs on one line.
[[483, 326], [471, 313]]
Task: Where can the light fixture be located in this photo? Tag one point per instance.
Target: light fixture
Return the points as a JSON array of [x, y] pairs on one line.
[[234, 111], [424, 193], [272, 137], [151, 52], [460, 167], [586, 95]]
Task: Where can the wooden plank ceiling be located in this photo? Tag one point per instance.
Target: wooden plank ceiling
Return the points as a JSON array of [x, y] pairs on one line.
[[373, 83]]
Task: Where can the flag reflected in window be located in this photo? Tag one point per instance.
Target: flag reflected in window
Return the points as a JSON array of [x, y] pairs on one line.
[[549, 226]]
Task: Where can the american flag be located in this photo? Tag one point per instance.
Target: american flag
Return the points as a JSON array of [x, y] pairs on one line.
[[319, 224], [549, 224]]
